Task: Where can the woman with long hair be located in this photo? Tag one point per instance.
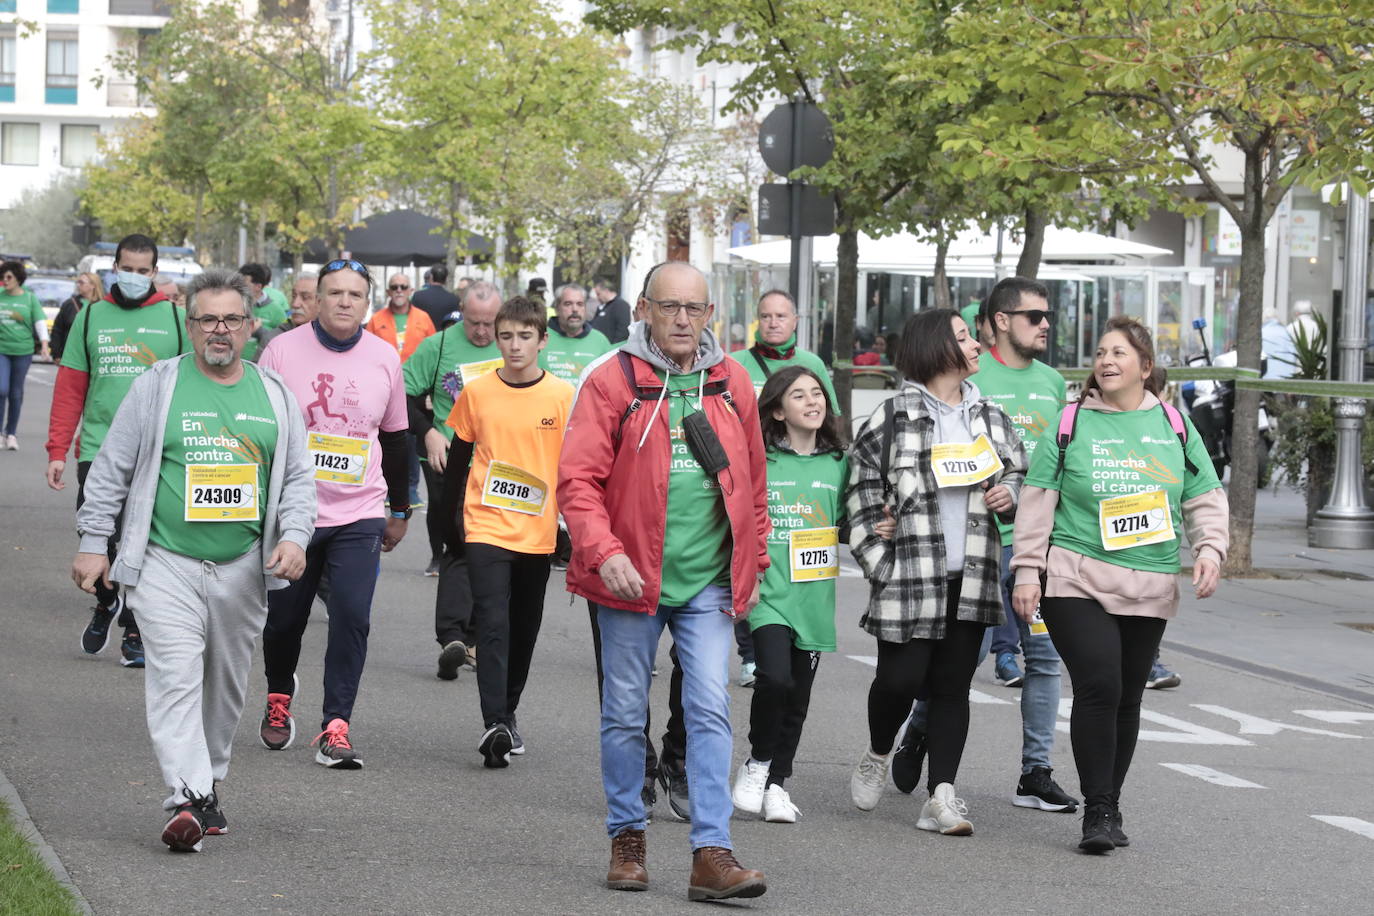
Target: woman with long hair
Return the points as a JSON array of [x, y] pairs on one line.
[[21, 320], [794, 621], [1114, 483], [926, 484], [88, 289]]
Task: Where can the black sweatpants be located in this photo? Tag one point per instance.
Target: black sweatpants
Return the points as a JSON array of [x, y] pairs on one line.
[[674, 756], [782, 695], [105, 594], [434, 509], [508, 605], [1109, 658], [945, 668], [453, 617]]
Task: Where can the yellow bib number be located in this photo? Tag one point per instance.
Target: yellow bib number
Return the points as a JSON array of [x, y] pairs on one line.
[[471, 372], [221, 492], [514, 489], [960, 464], [339, 459], [815, 554], [1135, 520], [1037, 625]]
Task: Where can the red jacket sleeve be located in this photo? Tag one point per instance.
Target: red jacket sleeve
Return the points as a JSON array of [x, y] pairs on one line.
[[68, 401], [584, 467], [742, 390]]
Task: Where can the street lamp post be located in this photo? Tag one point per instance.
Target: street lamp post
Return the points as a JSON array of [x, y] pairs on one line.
[[1346, 521]]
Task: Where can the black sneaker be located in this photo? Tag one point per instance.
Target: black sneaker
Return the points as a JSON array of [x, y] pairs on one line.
[[213, 817], [1037, 789], [649, 795], [517, 744], [1114, 828], [907, 761], [495, 747], [674, 782], [432, 570], [451, 658], [131, 650], [1097, 837], [96, 636]]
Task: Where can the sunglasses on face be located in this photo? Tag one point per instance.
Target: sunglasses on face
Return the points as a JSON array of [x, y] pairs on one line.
[[396, 288], [1034, 316]]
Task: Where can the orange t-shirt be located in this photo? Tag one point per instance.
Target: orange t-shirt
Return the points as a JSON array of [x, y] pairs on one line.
[[517, 435], [418, 327]]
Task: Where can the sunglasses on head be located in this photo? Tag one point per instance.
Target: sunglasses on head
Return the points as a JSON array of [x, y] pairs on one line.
[[346, 263]]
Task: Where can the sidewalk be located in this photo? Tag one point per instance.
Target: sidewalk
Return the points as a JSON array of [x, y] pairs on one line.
[[1300, 622]]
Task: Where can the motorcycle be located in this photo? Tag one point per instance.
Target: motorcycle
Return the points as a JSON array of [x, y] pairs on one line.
[[1212, 405]]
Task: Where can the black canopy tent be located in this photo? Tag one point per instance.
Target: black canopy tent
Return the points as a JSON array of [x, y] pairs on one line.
[[396, 238]]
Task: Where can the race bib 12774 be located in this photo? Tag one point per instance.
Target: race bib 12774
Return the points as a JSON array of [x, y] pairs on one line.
[[1135, 520]]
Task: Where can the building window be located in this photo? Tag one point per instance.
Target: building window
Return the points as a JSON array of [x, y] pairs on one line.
[[8, 6], [18, 144], [7, 67], [78, 144], [64, 6], [62, 70]]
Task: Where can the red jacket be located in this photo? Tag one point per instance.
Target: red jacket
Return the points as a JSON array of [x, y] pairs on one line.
[[614, 494]]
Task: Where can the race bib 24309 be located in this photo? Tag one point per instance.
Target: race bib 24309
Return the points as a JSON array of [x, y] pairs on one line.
[[221, 493]]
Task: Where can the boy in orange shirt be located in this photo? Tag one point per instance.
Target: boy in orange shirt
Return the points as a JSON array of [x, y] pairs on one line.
[[509, 426]]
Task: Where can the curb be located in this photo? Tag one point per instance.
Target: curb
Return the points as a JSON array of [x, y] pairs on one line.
[[24, 824], [1292, 678]]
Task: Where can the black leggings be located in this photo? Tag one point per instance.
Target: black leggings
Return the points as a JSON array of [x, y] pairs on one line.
[[945, 668], [508, 606], [782, 694], [1109, 658]]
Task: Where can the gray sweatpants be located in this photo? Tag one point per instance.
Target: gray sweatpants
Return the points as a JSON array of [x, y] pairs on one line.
[[199, 621]]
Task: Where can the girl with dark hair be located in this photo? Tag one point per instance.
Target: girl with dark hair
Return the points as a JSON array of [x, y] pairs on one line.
[[794, 621], [1095, 551], [928, 476]]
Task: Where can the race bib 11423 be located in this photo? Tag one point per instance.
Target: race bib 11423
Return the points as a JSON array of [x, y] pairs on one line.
[[339, 459]]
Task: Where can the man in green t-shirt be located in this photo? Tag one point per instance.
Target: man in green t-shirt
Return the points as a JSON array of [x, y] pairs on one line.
[[776, 345], [573, 344], [112, 342], [436, 372], [269, 305], [207, 462], [1016, 316]]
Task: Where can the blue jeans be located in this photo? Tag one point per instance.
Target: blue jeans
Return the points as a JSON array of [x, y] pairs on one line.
[[704, 636], [13, 371], [1039, 690]]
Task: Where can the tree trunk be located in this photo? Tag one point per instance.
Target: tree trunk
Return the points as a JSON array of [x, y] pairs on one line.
[[1245, 422], [940, 279], [846, 306], [1028, 265]]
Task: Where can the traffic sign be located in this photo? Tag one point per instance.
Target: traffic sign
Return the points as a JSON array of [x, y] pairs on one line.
[[786, 146], [775, 210]]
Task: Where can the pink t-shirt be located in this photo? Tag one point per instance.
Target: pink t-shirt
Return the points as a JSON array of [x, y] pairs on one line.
[[345, 398]]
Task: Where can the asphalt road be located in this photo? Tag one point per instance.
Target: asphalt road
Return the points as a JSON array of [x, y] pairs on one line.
[[1225, 803]]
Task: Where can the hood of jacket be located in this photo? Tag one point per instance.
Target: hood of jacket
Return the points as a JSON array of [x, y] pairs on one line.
[[640, 343], [558, 329], [1094, 401]]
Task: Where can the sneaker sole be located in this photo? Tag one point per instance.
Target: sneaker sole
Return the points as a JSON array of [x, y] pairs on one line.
[[517, 751], [1011, 681], [1098, 845], [496, 751], [741, 891], [1164, 683], [746, 808], [450, 663], [216, 831], [963, 828], [109, 631], [335, 764], [1039, 804], [183, 833], [627, 885], [786, 817], [132, 662]]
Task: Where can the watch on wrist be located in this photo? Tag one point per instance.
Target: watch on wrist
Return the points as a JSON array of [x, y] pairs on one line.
[[405, 513]]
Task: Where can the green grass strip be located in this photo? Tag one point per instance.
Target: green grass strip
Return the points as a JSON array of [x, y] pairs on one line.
[[27, 888]]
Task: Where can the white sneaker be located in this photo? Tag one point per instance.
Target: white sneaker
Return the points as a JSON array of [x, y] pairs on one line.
[[778, 807], [750, 780], [12, 443], [866, 785], [945, 813], [746, 674]]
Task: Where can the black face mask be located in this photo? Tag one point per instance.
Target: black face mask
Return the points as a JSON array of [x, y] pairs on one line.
[[703, 443]]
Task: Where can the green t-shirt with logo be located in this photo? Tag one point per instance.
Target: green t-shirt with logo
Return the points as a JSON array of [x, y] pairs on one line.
[[113, 346], [1032, 397], [750, 361], [18, 316], [806, 504], [1116, 453], [697, 542], [438, 366], [226, 435], [566, 357]]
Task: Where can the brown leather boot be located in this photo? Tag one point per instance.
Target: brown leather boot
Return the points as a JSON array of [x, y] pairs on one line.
[[716, 876], [627, 872]]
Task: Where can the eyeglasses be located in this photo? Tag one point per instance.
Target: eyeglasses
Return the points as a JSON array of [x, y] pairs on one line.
[[671, 307], [1034, 316], [208, 323], [396, 288]]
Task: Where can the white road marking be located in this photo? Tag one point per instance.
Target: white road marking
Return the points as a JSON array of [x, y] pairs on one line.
[[1336, 716], [1254, 725], [41, 378], [1353, 824], [974, 696], [1184, 732], [1216, 777]]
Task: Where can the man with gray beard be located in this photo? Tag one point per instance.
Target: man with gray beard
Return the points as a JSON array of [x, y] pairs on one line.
[[207, 460]]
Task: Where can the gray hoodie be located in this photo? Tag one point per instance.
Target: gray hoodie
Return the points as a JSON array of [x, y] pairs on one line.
[[640, 343], [124, 475], [952, 425]]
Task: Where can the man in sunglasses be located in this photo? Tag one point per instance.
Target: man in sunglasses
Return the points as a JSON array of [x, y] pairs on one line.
[[401, 324], [348, 385], [207, 461], [1016, 315]]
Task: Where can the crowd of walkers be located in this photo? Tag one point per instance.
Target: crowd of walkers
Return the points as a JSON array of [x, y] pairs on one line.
[[686, 489]]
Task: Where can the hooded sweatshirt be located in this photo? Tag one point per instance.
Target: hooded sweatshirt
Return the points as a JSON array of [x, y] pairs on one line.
[[952, 426]]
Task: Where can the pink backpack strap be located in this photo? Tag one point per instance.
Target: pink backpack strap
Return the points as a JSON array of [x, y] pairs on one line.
[[1068, 419], [1175, 421]]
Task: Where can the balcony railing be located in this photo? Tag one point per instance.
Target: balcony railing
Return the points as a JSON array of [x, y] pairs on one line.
[[124, 94]]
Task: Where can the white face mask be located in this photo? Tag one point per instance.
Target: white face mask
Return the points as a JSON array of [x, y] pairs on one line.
[[132, 285]]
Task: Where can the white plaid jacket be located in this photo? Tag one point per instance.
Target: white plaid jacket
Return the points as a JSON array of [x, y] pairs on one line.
[[907, 575]]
